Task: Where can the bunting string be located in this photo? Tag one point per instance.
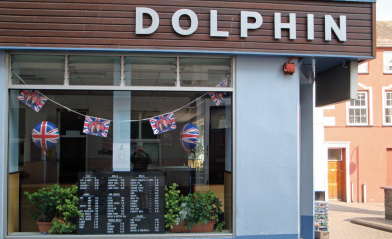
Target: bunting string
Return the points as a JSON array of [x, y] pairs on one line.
[[69, 109]]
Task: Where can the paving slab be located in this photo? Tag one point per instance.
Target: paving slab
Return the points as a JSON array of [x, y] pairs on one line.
[[374, 222], [341, 214]]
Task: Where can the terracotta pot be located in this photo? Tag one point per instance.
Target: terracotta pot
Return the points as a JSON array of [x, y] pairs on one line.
[[179, 228], [204, 227], [44, 227], [195, 228]]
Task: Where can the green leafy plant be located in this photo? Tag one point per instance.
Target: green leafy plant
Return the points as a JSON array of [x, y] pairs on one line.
[[173, 200], [68, 212], [61, 207], [204, 207], [195, 153], [45, 197], [193, 209]]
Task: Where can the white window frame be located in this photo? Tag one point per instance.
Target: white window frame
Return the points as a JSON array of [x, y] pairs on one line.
[[385, 90], [369, 106], [9, 86], [363, 68], [387, 59], [122, 86]]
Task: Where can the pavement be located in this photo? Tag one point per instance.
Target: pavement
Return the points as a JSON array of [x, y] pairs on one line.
[[369, 215]]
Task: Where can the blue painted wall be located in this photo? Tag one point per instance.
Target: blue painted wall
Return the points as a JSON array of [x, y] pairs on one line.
[[306, 176], [267, 148]]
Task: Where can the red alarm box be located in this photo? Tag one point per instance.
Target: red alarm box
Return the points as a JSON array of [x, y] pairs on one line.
[[289, 68]]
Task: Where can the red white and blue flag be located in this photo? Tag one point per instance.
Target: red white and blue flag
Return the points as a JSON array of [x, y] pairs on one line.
[[225, 83], [96, 126], [220, 97], [163, 123], [45, 135], [33, 99], [189, 137]]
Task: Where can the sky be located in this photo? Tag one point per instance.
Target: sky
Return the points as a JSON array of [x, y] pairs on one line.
[[384, 10]]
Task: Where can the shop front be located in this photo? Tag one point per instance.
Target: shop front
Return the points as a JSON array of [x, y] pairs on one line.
[[169, 119]]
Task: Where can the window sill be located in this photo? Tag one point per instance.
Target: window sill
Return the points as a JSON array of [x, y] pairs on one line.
[[359, 125], [365, 73], [24, 235]]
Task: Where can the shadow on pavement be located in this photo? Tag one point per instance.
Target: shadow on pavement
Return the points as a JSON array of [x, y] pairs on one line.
[[340, 208]]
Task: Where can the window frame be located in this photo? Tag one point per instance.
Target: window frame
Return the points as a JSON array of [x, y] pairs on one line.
[[359, 107], [385, 90], [122, 86], [363, 66], [386, 64], [9, 86]]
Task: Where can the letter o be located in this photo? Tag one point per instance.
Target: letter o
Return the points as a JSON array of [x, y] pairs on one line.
[[176, 21]]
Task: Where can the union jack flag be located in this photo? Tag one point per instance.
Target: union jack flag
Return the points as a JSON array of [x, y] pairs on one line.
[[220, 97], [33, 99], [163, 123], [45, 135], [225, 83], [96, 126]]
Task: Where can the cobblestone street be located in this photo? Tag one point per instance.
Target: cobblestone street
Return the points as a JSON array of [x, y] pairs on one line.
[[341, 213]]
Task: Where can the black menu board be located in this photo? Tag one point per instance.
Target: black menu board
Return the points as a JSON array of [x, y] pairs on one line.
[[121, 202]]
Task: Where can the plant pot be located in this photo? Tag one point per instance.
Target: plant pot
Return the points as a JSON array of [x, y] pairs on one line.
[[204, 227], [179, 228], [195, 228], [44, 227]]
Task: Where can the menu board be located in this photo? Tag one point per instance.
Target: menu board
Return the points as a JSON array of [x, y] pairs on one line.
[[121, 202]]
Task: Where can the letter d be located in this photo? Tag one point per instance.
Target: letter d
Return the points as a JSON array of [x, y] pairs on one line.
[[139, 20]]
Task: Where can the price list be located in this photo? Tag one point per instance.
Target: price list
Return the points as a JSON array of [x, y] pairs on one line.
[[88, 203], [121, 203]]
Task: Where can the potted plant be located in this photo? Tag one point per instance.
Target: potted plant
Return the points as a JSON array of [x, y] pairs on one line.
[[68, 212], [197, 212], [45, 197], [61, 208]]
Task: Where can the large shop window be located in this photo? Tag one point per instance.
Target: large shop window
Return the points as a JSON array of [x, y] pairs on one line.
[[114, 182]]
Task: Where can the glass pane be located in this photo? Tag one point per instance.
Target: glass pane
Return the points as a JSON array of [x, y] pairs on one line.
[[150, 71], [38, 69], [135, 126], [388, 96], [94, 70], [388, 119], [203, 72], [388, 111], [121, 176], [363, 68], [357, 112], [363, 112], [352, 120], [352, 102], [351, 112], [363, 120]]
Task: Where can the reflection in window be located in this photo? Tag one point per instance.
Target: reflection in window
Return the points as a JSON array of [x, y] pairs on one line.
[[150, 71], [358, 110], [207, 168], [38, 69], [203, 72], [94, 70]]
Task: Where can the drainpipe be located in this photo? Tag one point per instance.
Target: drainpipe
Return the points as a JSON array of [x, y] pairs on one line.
[[364, 192], [352, 192]]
